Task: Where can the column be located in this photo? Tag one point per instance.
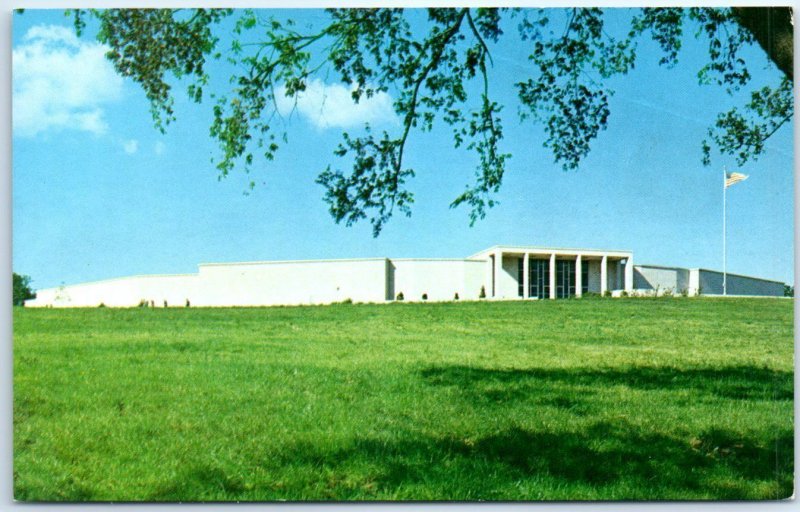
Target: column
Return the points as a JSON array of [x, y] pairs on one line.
[[553, 276], [578, 276], [526, 276], [498, 270], [603, 275], [629, 274]]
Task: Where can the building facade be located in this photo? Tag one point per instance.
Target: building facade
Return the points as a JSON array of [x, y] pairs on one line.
[[500, 272]]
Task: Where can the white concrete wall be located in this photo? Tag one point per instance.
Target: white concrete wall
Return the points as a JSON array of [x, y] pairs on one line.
[[292, 282], [439, 279], [710, 283], [240, 284], [656, 279], [122, 292], [507, 280]]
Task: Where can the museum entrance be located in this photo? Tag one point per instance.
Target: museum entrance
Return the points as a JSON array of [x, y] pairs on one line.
[[565, 279], [539, 278], [539, 272]]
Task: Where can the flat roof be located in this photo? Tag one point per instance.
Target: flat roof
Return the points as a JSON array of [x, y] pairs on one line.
[[284, 262], [557, 250]]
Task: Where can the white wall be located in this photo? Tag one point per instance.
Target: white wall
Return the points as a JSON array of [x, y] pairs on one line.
[[439, 279], [122, 292], [710, 283], [293, 282], [282, 283], [246, 284], [506, 281], [655, 279]]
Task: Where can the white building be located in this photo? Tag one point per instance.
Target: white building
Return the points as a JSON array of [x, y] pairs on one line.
[[500, 272]]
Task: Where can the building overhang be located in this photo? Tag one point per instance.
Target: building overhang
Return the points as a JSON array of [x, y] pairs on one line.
[[546, 251]]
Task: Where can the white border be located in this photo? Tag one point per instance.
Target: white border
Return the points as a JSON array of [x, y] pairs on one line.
[[6, 394]]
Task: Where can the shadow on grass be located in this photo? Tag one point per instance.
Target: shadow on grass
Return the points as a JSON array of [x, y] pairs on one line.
[[736, 382], [604, 461], [601, 460]]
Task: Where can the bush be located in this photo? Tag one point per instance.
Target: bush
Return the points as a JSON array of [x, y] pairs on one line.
[[187, 303], [482, 295], [456, 296], [400, 296], [101, 305], [607, 294], [624, 293], [348, 300], [424, 296], [143, 303]]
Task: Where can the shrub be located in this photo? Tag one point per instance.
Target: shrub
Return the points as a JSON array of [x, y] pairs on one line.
[[187, 303], [456, 296], [624, 293], [424, 296], [482, 295], [607, 294], [101, 305], [165, 303], [684, 292], [348, 300], [667, 292], [400, 296], [143, 303]]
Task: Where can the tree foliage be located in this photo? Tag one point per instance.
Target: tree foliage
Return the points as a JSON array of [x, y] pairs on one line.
[[21, 289], [441, 74]]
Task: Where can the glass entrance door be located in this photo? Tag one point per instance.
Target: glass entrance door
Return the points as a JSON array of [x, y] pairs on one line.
[[565, 278], [539, 272]]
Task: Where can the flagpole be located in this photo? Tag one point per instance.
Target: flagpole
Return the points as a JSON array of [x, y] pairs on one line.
[[724, 232]]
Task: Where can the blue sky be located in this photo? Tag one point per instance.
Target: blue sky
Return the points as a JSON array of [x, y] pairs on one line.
[[99, 193]]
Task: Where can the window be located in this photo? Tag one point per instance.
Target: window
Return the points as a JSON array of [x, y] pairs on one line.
[[565, 278], [520, 277], [584, 277], [539, 285]]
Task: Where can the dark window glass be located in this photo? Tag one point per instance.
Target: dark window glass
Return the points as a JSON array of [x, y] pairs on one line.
[[584, 277], [520, 277], [539, 275]]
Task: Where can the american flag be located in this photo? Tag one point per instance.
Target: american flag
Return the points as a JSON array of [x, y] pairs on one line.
[[734, 177]]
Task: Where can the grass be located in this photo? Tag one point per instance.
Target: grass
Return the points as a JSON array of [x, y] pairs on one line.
[[592, 399]]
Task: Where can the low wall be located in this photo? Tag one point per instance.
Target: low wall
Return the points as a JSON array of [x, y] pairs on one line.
[[711, 284]]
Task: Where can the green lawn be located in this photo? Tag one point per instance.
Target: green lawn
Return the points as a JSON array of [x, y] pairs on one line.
[[587, 399]]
